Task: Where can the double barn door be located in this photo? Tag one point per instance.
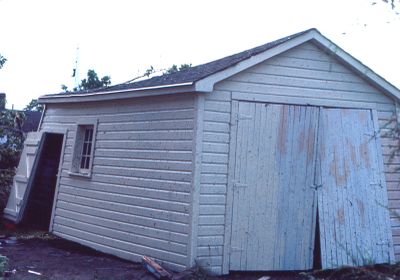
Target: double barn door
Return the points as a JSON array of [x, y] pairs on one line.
[[296, 167]]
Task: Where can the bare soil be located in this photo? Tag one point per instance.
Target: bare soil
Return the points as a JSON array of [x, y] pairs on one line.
[[58, 259]]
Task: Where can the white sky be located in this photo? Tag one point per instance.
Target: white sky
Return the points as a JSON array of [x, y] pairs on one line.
[[123, 38]]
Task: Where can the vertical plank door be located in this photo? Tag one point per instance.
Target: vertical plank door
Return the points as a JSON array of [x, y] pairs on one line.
[[21, 179], [352, 201], [273, 211]]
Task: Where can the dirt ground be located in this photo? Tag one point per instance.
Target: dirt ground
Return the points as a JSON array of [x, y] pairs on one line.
[[55, 258]]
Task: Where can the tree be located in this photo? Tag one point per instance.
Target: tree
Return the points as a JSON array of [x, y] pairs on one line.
[[174, 68], [91, 82], [2, 61], [393, 3], [11, 143], [34, 106]]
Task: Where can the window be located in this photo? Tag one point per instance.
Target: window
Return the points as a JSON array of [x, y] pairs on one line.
[[82, 158], [86, 149]]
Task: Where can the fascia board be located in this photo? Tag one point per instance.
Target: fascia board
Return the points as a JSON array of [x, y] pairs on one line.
[[358, 66], [117, 94]]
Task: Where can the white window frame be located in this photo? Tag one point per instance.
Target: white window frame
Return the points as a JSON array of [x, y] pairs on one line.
[[78, 152]]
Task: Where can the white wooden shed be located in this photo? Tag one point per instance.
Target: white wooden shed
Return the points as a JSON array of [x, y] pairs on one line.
[[275, 158]]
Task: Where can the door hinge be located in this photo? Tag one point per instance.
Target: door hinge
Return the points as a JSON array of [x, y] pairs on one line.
[[316, 187], [376, 184], [238, 117]]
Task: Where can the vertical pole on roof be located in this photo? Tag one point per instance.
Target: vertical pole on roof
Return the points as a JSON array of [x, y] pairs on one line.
[[75, 73]]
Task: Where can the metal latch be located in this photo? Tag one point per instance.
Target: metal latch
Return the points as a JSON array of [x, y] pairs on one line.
[[316, 187]]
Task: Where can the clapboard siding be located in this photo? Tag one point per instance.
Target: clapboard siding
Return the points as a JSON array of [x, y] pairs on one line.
[[147, 163], [387, 122], [304, 75], [214, 171], [138, 197]]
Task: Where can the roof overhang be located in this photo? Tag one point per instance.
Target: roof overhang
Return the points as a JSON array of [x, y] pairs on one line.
[[117, 94]]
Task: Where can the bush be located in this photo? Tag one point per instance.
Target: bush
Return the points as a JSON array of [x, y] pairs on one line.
[[11, 143]]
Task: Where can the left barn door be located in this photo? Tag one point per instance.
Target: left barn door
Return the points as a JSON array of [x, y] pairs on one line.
[[274, 210], [26, 167]]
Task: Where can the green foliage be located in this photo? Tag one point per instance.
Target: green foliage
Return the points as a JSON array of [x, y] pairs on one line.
[[2, 61], [34, 106], [92, 81], [11, 139], [3, 264], [11, 143], [174, 68], [2, 102]]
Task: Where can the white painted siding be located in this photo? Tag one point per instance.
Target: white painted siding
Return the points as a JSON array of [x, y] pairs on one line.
[[303, 75], [214, 170], [137, 201], [387, 121]]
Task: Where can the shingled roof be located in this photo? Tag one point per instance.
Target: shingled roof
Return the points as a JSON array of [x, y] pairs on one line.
[[195, 73], [202, 78]]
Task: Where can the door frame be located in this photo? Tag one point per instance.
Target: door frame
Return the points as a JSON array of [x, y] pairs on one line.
[[64, 132], [229, 191]]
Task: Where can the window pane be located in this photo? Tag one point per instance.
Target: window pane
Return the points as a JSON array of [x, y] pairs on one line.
[[89, 148], [90, 134], [83, 162], [87, 139], [86, 135]]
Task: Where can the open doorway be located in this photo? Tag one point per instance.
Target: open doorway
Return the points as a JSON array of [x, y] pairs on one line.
[[40, 196]]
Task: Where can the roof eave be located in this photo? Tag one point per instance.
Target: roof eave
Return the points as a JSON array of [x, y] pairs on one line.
[[117, 94]]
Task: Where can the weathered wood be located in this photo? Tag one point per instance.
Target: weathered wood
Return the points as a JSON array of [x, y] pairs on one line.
[[163, 160], [352, 200], [97, 237], [155, 269], [26, 167], [274, 161]]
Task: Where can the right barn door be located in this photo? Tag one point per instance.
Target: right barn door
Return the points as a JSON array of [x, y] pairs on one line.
[[352, 196]]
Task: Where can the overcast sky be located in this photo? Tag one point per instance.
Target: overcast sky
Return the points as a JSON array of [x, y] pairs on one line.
[[122, 39]]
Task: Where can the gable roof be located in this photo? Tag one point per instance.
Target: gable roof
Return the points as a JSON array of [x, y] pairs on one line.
[[202, 78]]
